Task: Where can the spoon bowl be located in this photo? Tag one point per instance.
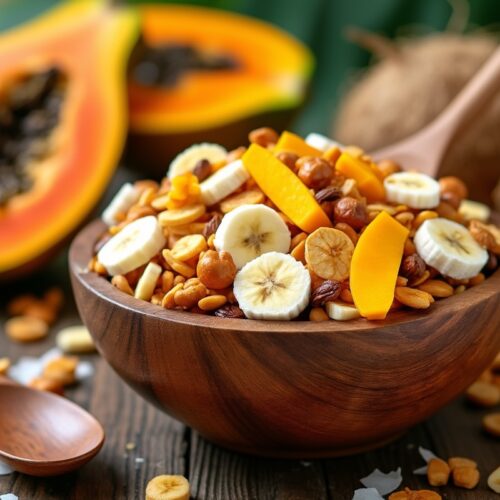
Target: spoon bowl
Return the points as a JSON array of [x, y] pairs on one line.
[[43, 434]]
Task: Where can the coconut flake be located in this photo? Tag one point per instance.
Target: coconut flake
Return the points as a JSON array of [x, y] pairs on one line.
[[9, 496], [367, 494], [427, 455], [5, 469], [421, 471], [382, 482]]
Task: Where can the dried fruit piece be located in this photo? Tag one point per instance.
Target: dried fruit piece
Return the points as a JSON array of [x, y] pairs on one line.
[[167, 487], [284, 189], [483, 394], [61, 370], [189, 246], [438, 472], [247, 197], [375, 266], [26, 329], [47, 384], [292, 143], [408, 494], [180, 216], [329, 253], [494, 480], [466, 477], [454, 462]]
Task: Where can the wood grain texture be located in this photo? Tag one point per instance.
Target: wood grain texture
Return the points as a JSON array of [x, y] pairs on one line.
[[291, 389]]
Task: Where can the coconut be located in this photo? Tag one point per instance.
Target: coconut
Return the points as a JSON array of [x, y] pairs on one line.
[[410, 84]]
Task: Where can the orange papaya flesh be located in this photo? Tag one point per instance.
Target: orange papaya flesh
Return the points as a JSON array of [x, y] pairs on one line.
[[375, 264], [293, 143], [89, 42], [202, 104]]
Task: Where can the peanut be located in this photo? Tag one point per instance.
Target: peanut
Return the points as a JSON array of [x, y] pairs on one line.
[[212, 302], [454, 462], [264, 136], [41, 311], [421, 279], [61, 370], [54, 297], [318, 314], [4, 365], [438, 472], [168, 301], [483, 394], [47, 384], [476, 280], [408, 494], [297, 239], [437, 288], [416, 299], [466, 477], [423, 216], [347, 229], [167, 281], [122, 284], [26, 329], [18, 305], [491, 424]]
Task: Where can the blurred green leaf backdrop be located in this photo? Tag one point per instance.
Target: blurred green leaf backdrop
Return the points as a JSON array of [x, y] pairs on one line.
[[321, 25]]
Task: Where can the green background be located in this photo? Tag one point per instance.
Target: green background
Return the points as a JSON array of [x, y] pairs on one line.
[[321, 25]]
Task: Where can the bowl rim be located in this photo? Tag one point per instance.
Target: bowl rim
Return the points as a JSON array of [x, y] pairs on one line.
[[81, 251]]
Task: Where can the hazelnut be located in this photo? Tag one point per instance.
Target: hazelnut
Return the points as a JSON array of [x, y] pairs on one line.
[[388, 167], [351, 212], [289, 159], [263, 136], [452, 184], [452, 199], [412, 266], [315, 173], [216, 269], [202, 169]]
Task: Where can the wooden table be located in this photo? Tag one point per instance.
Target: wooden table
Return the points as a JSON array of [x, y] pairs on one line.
[[163, 445]]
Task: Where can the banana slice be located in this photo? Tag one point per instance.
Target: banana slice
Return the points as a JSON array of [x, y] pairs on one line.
[[121, 202], [187, 160], [340, 311], [223, 182], [273, 286], [147, 282], [322, 142], [329, 253], [413, 189], [471, 210], [252, 230], [167, 487], [133, 246], [450, 248]]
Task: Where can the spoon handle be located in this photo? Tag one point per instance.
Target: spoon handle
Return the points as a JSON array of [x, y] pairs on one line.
[[466, 105]]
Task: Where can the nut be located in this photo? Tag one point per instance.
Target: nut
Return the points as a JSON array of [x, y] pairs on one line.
[[147, 196], [401, 281], [347, 229], [289, 159], [454, 462], [487, 235], [167, 281], [346, 296], [202, 169], [483, 394], [168, 301], [41, 310], [423, 216], [177, 265], [330, 193], [61, 370], [122, 284], [167, 487], [466, 477], [298, 253], [416, 299], [351, 212], [408, 494], [26, 329], [328, 291], [297, 239], [251, 196], [229, 311], [409, 248], [318, 314], [47, 384], [264, 136], [446, 210], [420, 280], [491, 424], [452, 199], [388, 167], [18, 305], [133, 276], [54, 297], [314, 172], [216, 269], [437, 288], [137, 212], [212, 302], [405, 218], [494, 480], [477, 279], [452, 184], [188, 247], [438, 472], [189, 296], [4, 365], [412, 266], [331, 155], [212, 225]]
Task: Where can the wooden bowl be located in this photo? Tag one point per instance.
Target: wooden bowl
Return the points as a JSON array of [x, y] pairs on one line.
[[290, 389]]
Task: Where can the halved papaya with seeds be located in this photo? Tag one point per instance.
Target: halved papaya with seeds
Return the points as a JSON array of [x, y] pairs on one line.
[[63, 123], [202, 75]]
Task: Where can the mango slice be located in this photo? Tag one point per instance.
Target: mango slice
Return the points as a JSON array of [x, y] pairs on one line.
[[284, 189], [375, 265], [369, 184], [294, 144]]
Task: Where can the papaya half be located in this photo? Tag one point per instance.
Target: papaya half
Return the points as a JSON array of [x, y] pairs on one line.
[[63, 122], [204, 75]]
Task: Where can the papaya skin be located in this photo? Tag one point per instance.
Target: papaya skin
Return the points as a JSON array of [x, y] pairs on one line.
[[92, 50]]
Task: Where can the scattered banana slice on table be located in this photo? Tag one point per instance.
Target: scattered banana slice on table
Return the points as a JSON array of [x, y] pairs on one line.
[[186, 160], [133, 246], [121, 202], [252, 230], [413, 189], [223, 182], [168, 487], [450, 248], [273, 286], [470, 210]]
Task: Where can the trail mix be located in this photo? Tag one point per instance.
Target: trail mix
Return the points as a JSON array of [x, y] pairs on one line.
[[292, 228]]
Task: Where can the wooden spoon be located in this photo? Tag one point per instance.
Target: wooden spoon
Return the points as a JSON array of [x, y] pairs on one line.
[[425, 150], [43, 434]]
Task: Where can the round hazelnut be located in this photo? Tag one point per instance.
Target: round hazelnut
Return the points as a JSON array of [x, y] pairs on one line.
[[452, 184], [216, 270], [351, 212], [315, 173], [289, 159], [264, 136], [412, 266], [388, 167]]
